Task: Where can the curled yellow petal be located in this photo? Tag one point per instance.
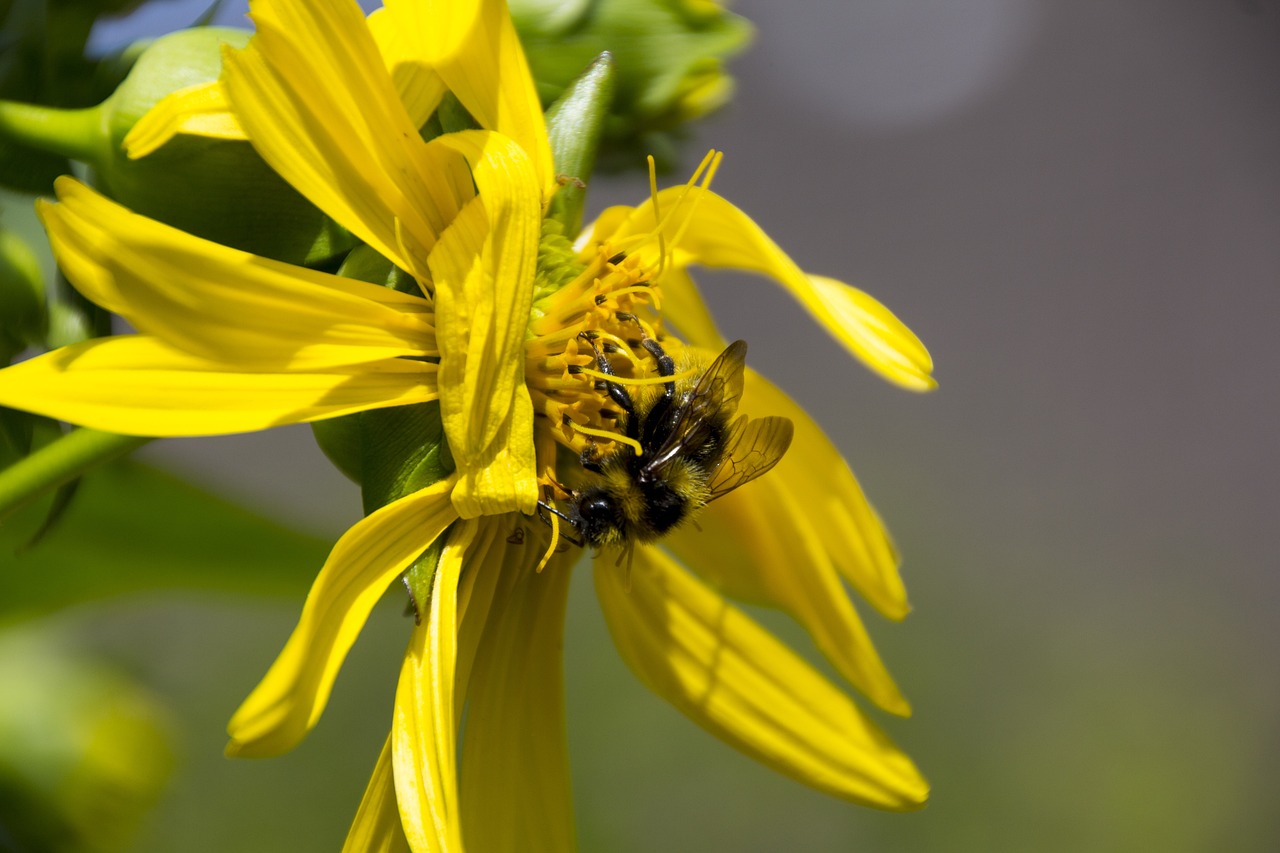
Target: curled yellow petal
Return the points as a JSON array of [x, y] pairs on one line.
[[201, 110], [483, 269], [814, 475], [425, 730], [703, 228], [376, 827], [514, 749], [222, 304], [474, 47], [364, 562], [137, 386], [736, 680], [314, 95], [419, 86], [875, 335], [758, 544]]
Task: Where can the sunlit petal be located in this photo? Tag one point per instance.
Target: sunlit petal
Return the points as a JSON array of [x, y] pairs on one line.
[[201, 110], [222, 304], [513, 749], [759, 545], [364, 562], [418, 84], [482, 268], [424, 734], [736, 680], [473, 46], [376, 827], [316, 99], [814, 474], [703, 228], [137, 386]]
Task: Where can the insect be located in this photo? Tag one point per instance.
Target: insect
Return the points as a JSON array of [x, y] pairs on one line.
[[693, 451]]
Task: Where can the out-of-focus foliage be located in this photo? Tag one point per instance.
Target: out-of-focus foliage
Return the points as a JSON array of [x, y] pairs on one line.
[[84, 752], [669, 58], [22, 313], [134, 528], [42, 61]]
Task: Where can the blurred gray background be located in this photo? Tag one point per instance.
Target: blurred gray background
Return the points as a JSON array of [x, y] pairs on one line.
[[1076, 205]]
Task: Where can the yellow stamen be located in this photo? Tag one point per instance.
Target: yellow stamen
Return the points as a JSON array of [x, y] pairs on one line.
[[610, 436]]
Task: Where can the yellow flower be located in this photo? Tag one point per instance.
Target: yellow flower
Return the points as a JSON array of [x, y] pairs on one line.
[[231, 342]]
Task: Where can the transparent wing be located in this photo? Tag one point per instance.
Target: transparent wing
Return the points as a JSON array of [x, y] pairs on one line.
[[751, 449], [714, 400]]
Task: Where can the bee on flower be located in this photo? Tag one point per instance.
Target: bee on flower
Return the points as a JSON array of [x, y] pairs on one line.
[[565, 412]]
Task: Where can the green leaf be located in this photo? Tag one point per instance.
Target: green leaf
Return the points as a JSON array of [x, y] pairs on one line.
[[135, 528], [574, 125]]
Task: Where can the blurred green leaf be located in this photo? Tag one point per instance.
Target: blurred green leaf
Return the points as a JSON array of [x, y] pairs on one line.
[[135, 528], [42, 61]]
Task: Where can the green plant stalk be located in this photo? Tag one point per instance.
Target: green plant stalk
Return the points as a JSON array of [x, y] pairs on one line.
[[60, 462], [75, 134]]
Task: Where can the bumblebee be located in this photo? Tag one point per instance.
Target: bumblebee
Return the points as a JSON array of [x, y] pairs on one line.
[[692, 450]]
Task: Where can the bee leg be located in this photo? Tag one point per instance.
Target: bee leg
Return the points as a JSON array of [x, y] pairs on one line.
[[590, 460], [666, 364], [544, 507], [616, 392], [658, 423]]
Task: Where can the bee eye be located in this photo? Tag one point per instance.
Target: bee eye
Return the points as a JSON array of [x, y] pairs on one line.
[[599, 507]]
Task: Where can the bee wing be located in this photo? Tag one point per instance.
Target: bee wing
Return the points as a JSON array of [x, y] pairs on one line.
[[717, 393], [751, 449]]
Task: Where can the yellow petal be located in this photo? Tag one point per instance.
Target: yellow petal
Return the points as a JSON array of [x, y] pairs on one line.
[[419, 86], [483, 273], [201, 110], [316, 99], [683, 307], [361, 566], [814, 475], [222, 304], [376, 828], [875, 335], [473, 46], [736, 680], [514, 750], [425, 732], [703, 228], [137, 386], [758, 544]]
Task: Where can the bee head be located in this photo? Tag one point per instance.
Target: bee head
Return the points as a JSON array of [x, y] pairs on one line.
[[598, 517]]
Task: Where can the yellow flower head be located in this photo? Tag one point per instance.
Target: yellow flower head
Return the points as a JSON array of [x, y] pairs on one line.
[[534, 360]]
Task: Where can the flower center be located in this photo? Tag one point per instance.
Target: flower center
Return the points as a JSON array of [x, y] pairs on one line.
[[604, 314]]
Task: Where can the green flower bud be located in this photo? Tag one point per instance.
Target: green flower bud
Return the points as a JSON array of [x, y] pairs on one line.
[[22, 316], [669, 57], [217, 189]]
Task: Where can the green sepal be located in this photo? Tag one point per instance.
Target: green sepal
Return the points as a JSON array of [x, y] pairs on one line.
[[389, 452], [227, 193], [575, 124], [404, 450], [419, 577], [217, 189]]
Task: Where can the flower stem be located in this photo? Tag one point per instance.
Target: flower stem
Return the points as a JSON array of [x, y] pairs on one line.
[[60, 462], [77, 134]]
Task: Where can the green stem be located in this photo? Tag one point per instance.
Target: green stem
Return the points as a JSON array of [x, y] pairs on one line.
[[77, 134], [60, 462]]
